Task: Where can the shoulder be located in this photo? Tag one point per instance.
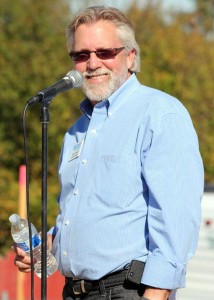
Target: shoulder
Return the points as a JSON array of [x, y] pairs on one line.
[[159, 103]]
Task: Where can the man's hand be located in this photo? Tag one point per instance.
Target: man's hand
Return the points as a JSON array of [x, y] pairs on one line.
[[152, 293], [22, 260], [50, 238]]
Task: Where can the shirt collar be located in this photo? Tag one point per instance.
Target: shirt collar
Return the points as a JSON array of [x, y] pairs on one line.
[[86, 107], [112, 102], [125, 90]]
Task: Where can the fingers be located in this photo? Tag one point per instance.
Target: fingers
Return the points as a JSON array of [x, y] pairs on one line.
[[22, 260], [22, 267], [23, 263], [50, 241], [19, 251]]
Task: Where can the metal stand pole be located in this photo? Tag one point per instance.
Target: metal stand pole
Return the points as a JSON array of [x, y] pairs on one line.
[[44, 118]]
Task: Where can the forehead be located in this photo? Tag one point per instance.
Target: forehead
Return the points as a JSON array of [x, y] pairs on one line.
[[96, 35]]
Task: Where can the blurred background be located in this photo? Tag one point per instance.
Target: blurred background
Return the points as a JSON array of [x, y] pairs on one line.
[[177, 56]]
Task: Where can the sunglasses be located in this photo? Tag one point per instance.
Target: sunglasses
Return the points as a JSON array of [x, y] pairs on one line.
[[83, 56]]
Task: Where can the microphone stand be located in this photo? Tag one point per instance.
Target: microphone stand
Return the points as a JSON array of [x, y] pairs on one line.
[[44, 118]]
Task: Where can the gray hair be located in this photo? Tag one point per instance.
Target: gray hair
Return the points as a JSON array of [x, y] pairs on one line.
[[124, 28]]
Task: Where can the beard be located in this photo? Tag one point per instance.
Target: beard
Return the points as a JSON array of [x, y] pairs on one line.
[[103, 90]]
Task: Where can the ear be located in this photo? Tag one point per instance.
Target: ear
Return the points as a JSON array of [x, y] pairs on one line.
[[130, 58]]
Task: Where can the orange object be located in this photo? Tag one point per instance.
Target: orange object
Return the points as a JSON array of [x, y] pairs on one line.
[[22, 213]]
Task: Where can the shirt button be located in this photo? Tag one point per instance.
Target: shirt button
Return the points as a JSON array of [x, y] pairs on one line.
[[65, 253], [67, 222], [76, 192], [84, 161], [93, 131]]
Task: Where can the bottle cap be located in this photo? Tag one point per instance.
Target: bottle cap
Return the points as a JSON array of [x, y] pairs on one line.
[[14, 218]]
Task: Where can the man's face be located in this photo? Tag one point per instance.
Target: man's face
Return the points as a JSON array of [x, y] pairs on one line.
[[102, 77]]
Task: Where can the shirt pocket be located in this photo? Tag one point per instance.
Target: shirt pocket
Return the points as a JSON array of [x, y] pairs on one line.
[[117, 181]]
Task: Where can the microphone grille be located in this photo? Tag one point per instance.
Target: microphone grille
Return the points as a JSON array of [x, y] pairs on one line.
[[75, 77]]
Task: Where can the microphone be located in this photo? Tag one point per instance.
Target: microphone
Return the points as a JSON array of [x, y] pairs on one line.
[[73, 79]]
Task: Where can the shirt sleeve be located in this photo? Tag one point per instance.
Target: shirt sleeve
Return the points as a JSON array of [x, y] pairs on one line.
[[173, 172]]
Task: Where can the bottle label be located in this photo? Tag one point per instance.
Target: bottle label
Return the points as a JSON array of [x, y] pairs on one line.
[[36, 241]]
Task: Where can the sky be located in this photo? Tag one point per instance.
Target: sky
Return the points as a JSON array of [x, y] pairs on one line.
[[183, 5], [186, 5]]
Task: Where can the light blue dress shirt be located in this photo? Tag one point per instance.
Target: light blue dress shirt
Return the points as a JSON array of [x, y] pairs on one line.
[[131, 185]]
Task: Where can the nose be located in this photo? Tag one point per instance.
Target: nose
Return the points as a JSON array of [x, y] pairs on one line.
[[93, 62]]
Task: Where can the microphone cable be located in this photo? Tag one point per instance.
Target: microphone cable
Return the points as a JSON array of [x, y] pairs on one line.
[[73, 79]]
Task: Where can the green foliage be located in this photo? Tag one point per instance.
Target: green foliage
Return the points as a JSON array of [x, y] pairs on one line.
[[32, 53], [204, 15], [177, 57]]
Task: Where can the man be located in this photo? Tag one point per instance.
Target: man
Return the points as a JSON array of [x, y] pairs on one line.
[[130, 171]]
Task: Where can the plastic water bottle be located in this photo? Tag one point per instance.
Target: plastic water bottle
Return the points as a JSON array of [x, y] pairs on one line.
[[20, 234]]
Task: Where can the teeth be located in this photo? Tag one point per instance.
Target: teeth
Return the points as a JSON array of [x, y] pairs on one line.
[[96, 75]]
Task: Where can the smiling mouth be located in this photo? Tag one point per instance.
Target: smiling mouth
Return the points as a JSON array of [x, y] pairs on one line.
[[96, 76]]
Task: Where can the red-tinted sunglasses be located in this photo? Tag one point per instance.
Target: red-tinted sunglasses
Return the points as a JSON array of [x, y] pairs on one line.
[[83, 56]]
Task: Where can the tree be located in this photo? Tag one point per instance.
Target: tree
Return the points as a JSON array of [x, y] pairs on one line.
[[205, 15], [32, 54], [180, 62]]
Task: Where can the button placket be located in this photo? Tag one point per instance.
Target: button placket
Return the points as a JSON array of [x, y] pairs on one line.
[[89, 147]]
